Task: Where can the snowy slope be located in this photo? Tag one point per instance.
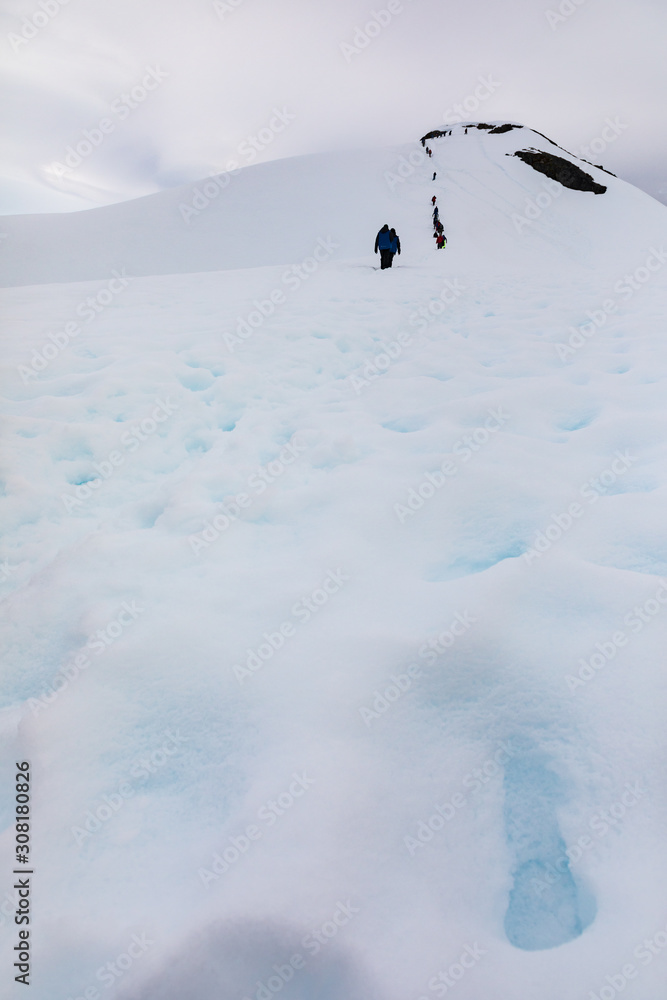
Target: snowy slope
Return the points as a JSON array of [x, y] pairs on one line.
[[272, 214], [336, 635]]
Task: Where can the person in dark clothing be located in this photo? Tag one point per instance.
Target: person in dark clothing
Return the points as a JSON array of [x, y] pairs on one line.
[[385, 229], [436, 214], [433, 200], [383, 244], [394, 247], [434, 175]]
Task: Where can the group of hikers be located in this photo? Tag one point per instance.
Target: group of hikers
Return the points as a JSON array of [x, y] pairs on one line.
[[388, 243], [438, 228]]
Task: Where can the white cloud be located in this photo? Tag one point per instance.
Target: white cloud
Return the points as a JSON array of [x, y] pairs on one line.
[[229, 65]]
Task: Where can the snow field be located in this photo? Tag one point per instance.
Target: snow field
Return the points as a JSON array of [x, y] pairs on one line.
[[193, 426]]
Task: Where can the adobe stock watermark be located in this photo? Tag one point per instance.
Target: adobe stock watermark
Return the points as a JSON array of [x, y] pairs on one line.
[[600, 824], [6, 571], [626, 287], [380, 364], [88, 310], [122, 107], [363, 36], [405, 167], [464, 449], [99, 642], [460, 112], [269, 813], [224, 7], [312, 943], [402, 682], [32, 25], [444, 812], [613, 128], [258, 482], [446, 979], [592, 490], [141, 769], [391, 352], [292, 278], [535, 207], [645, 952], [250, 148], [451, 291], [129, 442], [303, 610], [565, 10], [636, 619]]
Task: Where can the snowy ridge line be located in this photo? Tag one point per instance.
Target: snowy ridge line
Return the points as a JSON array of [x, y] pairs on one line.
[[222, 233], [209, 188], [269, 813]]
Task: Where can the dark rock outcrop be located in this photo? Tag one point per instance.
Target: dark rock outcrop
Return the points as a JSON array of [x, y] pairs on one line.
[[432, 135], [499, 129], [558, 169]]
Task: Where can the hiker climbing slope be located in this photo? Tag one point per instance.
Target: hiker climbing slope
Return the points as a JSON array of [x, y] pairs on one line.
[[388, 244]]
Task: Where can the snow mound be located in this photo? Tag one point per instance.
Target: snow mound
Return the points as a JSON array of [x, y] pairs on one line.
[[334, 599], [494, 208]]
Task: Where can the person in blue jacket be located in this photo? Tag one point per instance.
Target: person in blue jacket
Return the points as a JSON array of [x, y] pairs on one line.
[[395, 246], [388, 244]]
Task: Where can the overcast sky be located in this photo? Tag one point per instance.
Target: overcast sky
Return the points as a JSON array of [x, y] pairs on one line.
[[200, 77]]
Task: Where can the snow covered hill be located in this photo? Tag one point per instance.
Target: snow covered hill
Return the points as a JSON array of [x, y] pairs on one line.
[[335, 600], [497, 209]]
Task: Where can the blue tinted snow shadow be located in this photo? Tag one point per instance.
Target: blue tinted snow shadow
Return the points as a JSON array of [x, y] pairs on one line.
[[405, 425], [243, 960], [197, 380], [546, 907], [576, 422], [467, 565]]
